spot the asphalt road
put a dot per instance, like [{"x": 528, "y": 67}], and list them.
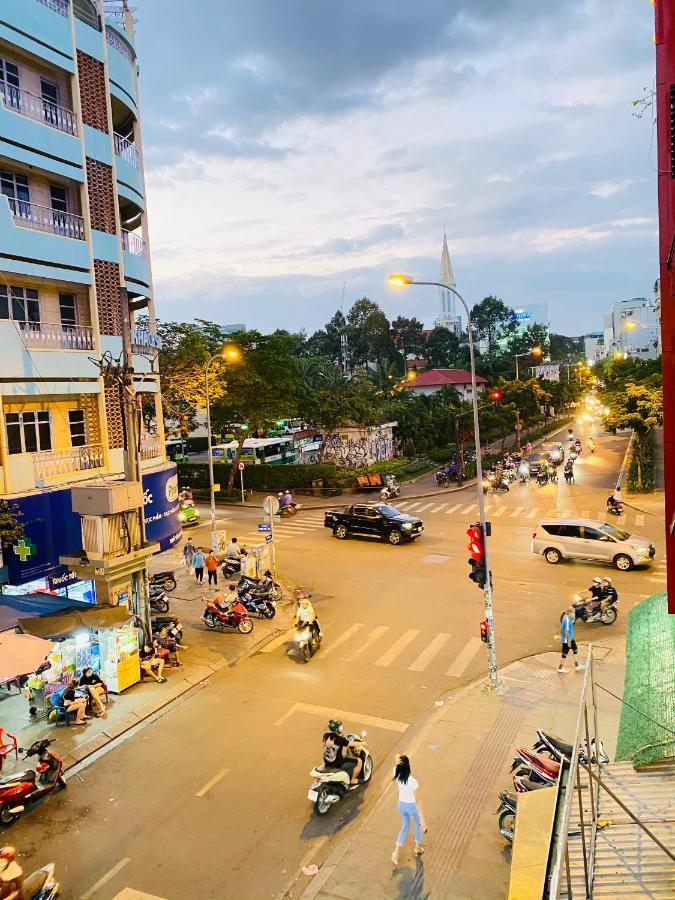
[{"x": 209, "y": 800}]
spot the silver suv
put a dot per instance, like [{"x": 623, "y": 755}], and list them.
[{"x": 557, "y": 539}]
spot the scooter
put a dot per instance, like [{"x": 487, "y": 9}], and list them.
[
  {"x": 173, "y": 625},
  {"x": 20, "y": 789},
  {"x": 607, "y": 615},
  {"x": 507, "y": 814},
  {"x": 536, "y": 766},
  {"x": 442, "y": 478},
  {"x": 164, "y": 580},
  {"x": 258, "y": 606},
  {"x": 235, "y": 616},
  {"x": 329, "y": 785},
  {"x": 232, "y": 565},
  {"x": 615, "y": 508},
  {"x": 41, "y": 884},
  {"x": 543, "y": 476},
  {"x": 261, "y": 587},
  {"x": 290, "y": 510},
  {"x": 391, "y": 490},
  {"x": 306, "y": 641},
  {"x": 158, "y": 600}
]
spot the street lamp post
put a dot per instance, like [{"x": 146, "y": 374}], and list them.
[
  {"x": 231, "y": 353},
  {"x": 535, "y": 351},
  {"x": 403, "y": 281}
]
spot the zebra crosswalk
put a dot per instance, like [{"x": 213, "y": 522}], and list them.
[
  {"x": 382, "y": 646},
  {"x": 285, "y": 530}
]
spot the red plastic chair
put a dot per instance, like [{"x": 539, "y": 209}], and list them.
[{"x": 7, "y": 747}]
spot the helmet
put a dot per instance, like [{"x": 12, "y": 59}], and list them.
[
  {"x": 280, "y": 494},
  {"x": 597, "y": 580},
  {"x": 335, "y": 725},
  {"x": 9, "y": 853},
  {"x": 607, "y": 580},
  {"x": 287, "y": 492}
]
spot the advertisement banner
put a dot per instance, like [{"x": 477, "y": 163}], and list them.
[
  {"x": 160, "y": 506},
  {"x": 548, "y": 373}
]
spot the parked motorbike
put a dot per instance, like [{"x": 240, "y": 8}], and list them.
[
  {"x": 261, "y": 587},
  {"x": 507, "y": 813},
  {"x": 535, "y": 766},
  {"x": 442, "y": 478},
  {"x": 173, "y": 625},
  {"x": 164, "y": 580},
  {"x": 258, "y": 606},
  {"x": 20, "y": 789},
  {"x": 330, "y": 785},
  {"x": 41, "y": 884},
  {"x": 235, "y": 616},
  {"x": 158, "y": 600},
  {"x": 306, "y": 641},
  {"x": 232, "y": 565}
]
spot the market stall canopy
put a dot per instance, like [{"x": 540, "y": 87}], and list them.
[
  {"x": 19, "y": 606},
  {"x": 63, "y": 624},
  {"x": 21, "y": 654}
]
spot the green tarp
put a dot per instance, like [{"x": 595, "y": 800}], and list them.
[{"x": 649, "y": 685}]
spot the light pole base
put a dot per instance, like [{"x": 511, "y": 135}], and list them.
[{"x": 490, "y": 687}]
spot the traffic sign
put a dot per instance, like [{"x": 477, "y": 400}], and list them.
[
  {"x": 268, "y": 538},
  {"x": 271, "y": 505},
  {"x": 241, "y": 466},
  {"x": 263, "y": 526}
]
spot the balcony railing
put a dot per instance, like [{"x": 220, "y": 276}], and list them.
[
  {"x": 50, "y": 336},
  {"x": 127, "y": 150},
  {"x": 151, "y": 448},
  {"x": 37, "y": 108},
  {"x": 44, "y": 218},
  {"x": 133, "y": 243},
  {"x": 86, "y": 12},
  {"x": 59, "y": 6},
  {"x": 116, "y": 41},
  {"x": 51, "y": 463}
]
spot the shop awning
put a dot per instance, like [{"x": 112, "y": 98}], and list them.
[
  {"x": 14, "y": 607},
  {"x": 21, "y": 654},
  {"x": 65, "y": 623}
]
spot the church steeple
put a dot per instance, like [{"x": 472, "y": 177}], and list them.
[
  {"x": 446, "y": 276},
  {"x": 447, "y": 317}
]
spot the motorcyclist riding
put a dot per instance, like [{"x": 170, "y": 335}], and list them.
[
  {"x": 338, "y": 751},
  {"x": 305, "y": 615},
  {"x": 233, "y": 549},
  {"x": 609, "y": 592},
  {"x": 615, "y": 499},
  {"x": 591, "y": 444}
]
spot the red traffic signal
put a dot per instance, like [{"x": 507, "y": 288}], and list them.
[
  {"x": 484, "y": 631},
  {"x": 496, "y": 396},
  {"x": 476, "y": 548}
]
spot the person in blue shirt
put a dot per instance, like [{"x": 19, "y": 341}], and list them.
[
  {"x": 198, "y": 562},
  {"x": 567, "y": 639}
]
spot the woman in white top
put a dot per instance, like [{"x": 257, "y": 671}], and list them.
[{"x": 408, "y": 807}]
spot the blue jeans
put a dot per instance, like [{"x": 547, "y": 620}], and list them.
[{"x": 408, "y": 811}]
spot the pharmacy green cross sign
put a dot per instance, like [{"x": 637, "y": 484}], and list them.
[{"x": 24, "y": 549}]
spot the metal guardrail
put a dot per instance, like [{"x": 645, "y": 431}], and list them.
[
  {"x": 53, "y": 336},
  {"x": 133, "y": 243},
  {"x": 37, "y": 108},
  {"x": 46, "y": 218},
  {"x": 126, "y": 150}
]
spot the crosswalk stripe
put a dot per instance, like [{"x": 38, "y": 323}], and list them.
[
  {"x": 639, "y": 520},
  {"x": 516, "y": 512},
  {"x": 372, "y": 637},
  {"x": 566, "y": 513},
  {"x": 453, "y": 509},
  {"x": 424, "y": 506},
  {"x": 404, "y": 505},
  {"x": 463, "y": 659},
  {"x": 428, "y": 654},
  {"x": 339, "y": 641},
  {"x": 659, "y": 579},
  {"x": 532, "y": 513},
  {"x": 550, "y": 513},
  {"x": 413, "y": 505},
  {"x": 397, "y": 647},
  {"x": 601, "y": 515},
  {"x": 585, "y": 514},
  {"x": 468, "y": 508},
  {"x": 438, "y": 508},
  {"x": 499, "y": 511}
]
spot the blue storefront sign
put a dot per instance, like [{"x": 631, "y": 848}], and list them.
[{"x": 52, "y": 529}]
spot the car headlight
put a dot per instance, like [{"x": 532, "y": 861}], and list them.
[{"x": 407, "y": 526}]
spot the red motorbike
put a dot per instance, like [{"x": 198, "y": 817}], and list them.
[
  {"x": 234, "y": 616},
  {"x": 22, "y": 788}
]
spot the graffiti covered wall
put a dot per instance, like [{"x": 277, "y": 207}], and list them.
[{"x": 352, "y": 448}]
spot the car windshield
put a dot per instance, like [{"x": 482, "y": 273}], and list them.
[
  {"x": 616, "y": 533},
  {"x": 389, "y": 511},
  {"x": 536, "y": 457}
]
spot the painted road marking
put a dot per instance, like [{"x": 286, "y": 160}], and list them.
[
  {"x": 438, "y": 508},
  {"x": 413, "y": 505},
  {"x": 550, "y": 513},
  {"x": 452, "y": 509},
  {"x": 329, "y": 712},
  {"x": 428, "y": 654},
  {"x": 585, "y": 514},
  {"x": 397, "y": 647},
  {"x": 639, "y": 520},
  {"x": 278, "y": 641},
  {"x": 468, "y": 508},
  {"x": 517, "y": 511},
  {"x": 459, "y": 666},
  {"x": 104, "y": 879},
  {"x": 660, "y": 579},
  {"x": 499, "y": 511},
  {"x": 424, "y": 506},
  {"x": 532, "y": 513},
  {"x": 566, "y": 513},
  {"x": 372, "y": 637},
  {"x": 131, "y": 894},
  {"x": 338, "y": 642},
  {"x": 211, "y": 783}
]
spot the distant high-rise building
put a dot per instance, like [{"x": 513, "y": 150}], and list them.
[
  {"x": 447, "y": 317},
  {"x": 233, "y": 329},
  {"x": 632, "y": 328}
]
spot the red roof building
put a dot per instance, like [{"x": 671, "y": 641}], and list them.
[{"x": 434, "y": 380}]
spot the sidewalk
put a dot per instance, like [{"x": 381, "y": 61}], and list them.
[
  {"x": 461, "y": 756},
  {"x": 208, "y": 652}
]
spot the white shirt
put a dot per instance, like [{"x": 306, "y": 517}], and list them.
[{"x": 406, "y": 792}]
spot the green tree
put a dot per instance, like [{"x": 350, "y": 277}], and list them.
[
  {"x": 345, "y": 402},
  {"x": 442, "y": 348},
  {"x": 528, "y": 399},
  {"x": 640, "y": 408},
  {"x": 11, "y": 526},
  {"x": 408, "y": 336},
  {"x": 566, "y": 349},
  {"x": 369, "y": 334},
  {"x": 491, "y": 319},
  {"x": 523, "y": 341}
]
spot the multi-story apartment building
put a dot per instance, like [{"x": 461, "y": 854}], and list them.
[
  {"x": 73, "y": 235},
  {"x": 632, "y": 328}
]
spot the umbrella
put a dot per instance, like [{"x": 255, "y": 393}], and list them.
[{"x": 21, "y": 654}]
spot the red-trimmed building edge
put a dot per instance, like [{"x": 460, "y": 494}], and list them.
[{"x": 664, "y": 39}]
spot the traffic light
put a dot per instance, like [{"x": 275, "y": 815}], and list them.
[
  {"x": 476, "y": 547},
  {"x": 496, "y": 396},
  {"x": 484, "y": 631}
]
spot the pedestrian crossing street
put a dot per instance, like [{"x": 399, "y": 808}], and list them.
[
  {"x": 526, "y": 513},
  {"x": 384, "y": 647}
]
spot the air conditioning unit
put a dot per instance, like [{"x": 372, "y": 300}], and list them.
[
  {"x": 107, "y": 537},
  {"x": 107, "y": 499}
]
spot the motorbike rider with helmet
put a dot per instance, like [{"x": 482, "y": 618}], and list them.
[
  {"x": 609, "y": 592},
  {"x": 594, "y": 603},
  {"x": 305, "y": 615},
  {"x": 615, "y": 500},
  {"x": 338, "y": 751}
]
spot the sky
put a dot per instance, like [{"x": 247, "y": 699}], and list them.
[{"x": 291, "y": 146}]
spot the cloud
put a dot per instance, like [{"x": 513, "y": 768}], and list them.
[{"x": 608, "y": 188}]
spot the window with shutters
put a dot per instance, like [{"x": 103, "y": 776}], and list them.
[
  {"x": 28, "y": 432},
  {"x": 78, "y": 429}
]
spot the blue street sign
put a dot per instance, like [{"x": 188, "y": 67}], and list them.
[
  {"x": 268, "y": 538},
  {"x": 264, "y": 526}
]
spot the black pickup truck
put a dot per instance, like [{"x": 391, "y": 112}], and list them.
[{"x": 376, "y": 520}]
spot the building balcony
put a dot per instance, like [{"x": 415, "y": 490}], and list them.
[
  {"x": 33, "y": 107},
  {"x": 151, "y": 448},
  {"x": 59, "y": 6},
  {"x": 127, "y": 150},
  {"x": 45, "y": 218},
  {"x": 52, "y": 336},
  {"x": 50, "y": 464},
  {"x": 133, "y": 243}
]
